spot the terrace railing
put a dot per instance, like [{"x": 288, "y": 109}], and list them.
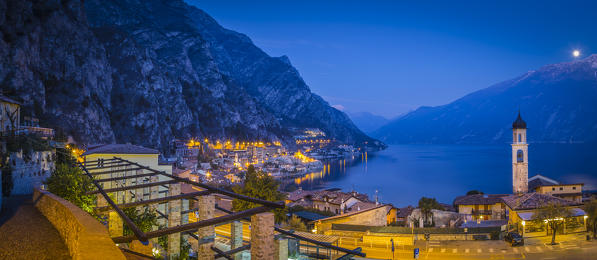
[{"x": 145, "y": 178}]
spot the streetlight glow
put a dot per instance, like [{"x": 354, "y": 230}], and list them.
[{"x": 576, "y": 53}]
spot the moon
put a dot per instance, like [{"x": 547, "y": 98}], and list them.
[{"x": 576, "y": 53}]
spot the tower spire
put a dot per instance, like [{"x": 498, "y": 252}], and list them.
[{"x": 520, "y": 165}]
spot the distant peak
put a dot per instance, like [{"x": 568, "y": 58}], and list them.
[{"x": 285, "y": 59}]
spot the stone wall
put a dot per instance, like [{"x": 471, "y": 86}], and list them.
[
  {"x": 441, "y": 218},
  {"x": 84, "y": 236},
  {"x": 29, "y": 171},
  {"x": 372, "y": 217}
]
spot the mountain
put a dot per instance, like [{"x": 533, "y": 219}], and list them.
[
  {"x": 366, "y": 121},
  {"x": 149, "y": 71},
  {"x": 557, "y": 102}
]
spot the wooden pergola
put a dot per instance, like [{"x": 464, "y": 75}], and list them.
[{"x": 146, "y": 177}]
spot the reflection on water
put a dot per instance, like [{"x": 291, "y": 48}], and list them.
[{"x": 404, "y": 173}]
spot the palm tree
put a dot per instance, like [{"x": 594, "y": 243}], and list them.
[{"x": 426, "y": 205}]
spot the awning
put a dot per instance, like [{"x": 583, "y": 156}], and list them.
[{"x": 576, "y": 212}]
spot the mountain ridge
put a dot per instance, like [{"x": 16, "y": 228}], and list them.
[
  {"x": 555, "y": 99},
  {"x": 147, "y": 72}
]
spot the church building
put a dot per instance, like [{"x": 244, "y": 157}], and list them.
[{"x": 520, "y": 157}]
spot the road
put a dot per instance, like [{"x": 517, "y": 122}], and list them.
[
  {"x": 574, "y": 248},
  {"x": 570, "y": 247}
]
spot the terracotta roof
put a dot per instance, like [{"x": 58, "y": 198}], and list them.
[
  {"x": 405, "y": 212},
  {"x": 479, "y": 199},
  {"x": 304, "y": 204},
  {"x": 355, "y": 212},
  {"x": 361, "y": 205},
  {"x": 540, "y": 180},
  {"x": 120, "y": 149},
  {"x": 336, "y": 197},
  {"x": 533, "y": 201},
  {"x": 298, "y": 194}
]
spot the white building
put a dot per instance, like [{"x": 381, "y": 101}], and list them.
[{"x": 520, "y": 157}]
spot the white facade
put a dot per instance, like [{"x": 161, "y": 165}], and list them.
[
  {"x": 29, "y": 171},
  {"x": 520, "y": 161}
]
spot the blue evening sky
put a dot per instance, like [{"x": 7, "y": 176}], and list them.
[{"x": 390, "y": 57}]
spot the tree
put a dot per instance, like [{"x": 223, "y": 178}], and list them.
[
  {"x": 145, "y": 219},
  {"x": 426, "y": 205},
  {"x": 474, "y": 192},
  {"x": 553, "y": 214},
  {"x": 71, "y": 184},
  {"x": 590, "y": 208},
  {"x": 262, "y": 186},
  {"x": 296, "y": 223}
]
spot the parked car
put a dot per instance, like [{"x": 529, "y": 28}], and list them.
[{"x": 514, "y": 239}]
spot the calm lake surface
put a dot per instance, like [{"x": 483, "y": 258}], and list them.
[{"x": 404, "y": 173}]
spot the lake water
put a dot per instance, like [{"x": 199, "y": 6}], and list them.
[{"x": 404, "y": 173}]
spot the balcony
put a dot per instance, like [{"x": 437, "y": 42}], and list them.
[
  {"x": 482, "y": 212},
  {"x": 39, "y": 131}
]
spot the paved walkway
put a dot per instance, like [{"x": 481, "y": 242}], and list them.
[
  {"x": 26, "y": 234},
  {"x": 573, "y": 246}
]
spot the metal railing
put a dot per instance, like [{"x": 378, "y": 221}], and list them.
[{"x": 110, "y": 164}]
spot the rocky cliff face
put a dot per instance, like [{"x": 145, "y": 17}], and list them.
[
  {"x": 149, "y": 71},
  {"x": 53, "y": 62},
  {"x": 557, "y": 102}
]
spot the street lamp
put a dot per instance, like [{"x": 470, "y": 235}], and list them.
[{"x": 523, "y": 225}]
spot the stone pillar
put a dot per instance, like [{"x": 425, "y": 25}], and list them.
[
  {"x": 101, "y": 201},
  {"x": 236, "y": 237},
  {"x": 206, "y": 235},
  {"x": 115, "y": 224},
  {"x": 281, "y": 248},
  {"x": 262, "y": 236},
  {"x": 193, "y": 218},
  {"x": 127, "y": 183},
  {"x": 153, "y": 191},
  {"x": 153, "y": 194},
  {"x": 139, "y": 192},
  {"x": 174, "y": 211}
]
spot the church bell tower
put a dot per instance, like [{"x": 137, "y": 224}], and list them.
[{"x": 520, "y": 157}]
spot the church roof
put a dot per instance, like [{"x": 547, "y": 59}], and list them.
[
  {"x": 540, "y": 180},
  {"x": 519, "y": 123}
]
